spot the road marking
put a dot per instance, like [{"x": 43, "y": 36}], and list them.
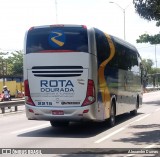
[
  {"x": 130, "y": 155},
  {"x": 30, "y": 129},
  {"x": 158, "y": 109},
  {"x": 137, "y": 120},
  {"x": 150, "y": 146},
  {"x": 130, "y": 123},
  {"x": 122, "y": 128},
  {"x": 142, "y": 117},
  {"x": 109, "y": 135}
]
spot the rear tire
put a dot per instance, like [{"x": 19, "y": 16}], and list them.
[
  {"x": 112, "y": 119},
  {"x": 59, "y": 123},
  {"x": 134, "y": 112}
]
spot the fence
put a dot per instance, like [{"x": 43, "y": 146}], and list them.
[{"x": 7, "y": 104}]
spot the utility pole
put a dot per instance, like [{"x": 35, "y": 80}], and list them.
[
  {"x": 56, "y": 12},
  {"x": 156, "y": 56},
  {"x": 124, "y": 16},
  {"x": 156, "y": 79}
]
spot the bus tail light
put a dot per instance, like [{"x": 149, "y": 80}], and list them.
[
  {"x": 90, "y": 95},
  {"x": 27, "y": 94}
]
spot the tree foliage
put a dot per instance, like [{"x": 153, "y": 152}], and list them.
[
  {"x": 149, "y": 10},
  {"x": 148, "y": 65},
  {"x": 15, "y": 63},
  {"x": 11, "y": 65},
  {"x": 3, "y": 53},
  {"x": 145, "y": 38}
]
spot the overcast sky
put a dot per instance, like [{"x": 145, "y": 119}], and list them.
[{"x": 17, "y": 16}]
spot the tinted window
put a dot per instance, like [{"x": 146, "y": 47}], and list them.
[
  {"x": 126, "y": 58},
  {"x": 103, "y": 49},
  {"x": 57, "y": 39}
]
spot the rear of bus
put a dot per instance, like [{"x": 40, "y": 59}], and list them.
[{"x": 60, "y": 84}]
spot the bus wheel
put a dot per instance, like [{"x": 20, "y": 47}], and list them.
[
  {"x": 134, "y": 112},
  {"x": 112, "y": 115},
  {"x": 59, "y": 123}
]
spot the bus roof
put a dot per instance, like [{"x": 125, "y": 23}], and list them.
[{"x": 125, "y": 43}]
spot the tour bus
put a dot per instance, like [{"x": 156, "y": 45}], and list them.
[{"x": 75, "y": 73}]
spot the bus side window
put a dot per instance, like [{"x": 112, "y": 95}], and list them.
[
  {"x": 103, "y": 49},
  {"x": 122, "y": 59}
]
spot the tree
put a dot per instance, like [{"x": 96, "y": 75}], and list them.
[
  {"x": 15, "y": 63},
  {"x": 145, "y": 38},
  {"x": 147, "y": 63},
  {"x": 3, "y": 53},
  {"x": 3, "y": 65},
  {"x": 149, "y": 10},
  {"x": 150, "y": 79}
]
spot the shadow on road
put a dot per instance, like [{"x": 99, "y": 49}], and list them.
[
  {"x": 77, "y": 130},
  {"x": 147, "y": 134}
]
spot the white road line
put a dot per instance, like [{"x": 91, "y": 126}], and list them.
[
  {"x": 150, "y": 146},
  {"x": 130, "y": 155},
  {"x": 30, "y": 129},
  {"x": 158, "y": 109},
  {"x": 139, "y": 119},
  {"x": 109, "y": 135},
  {"x": 122, "y": 128},
  {"x": 142, "y": 117},
  {"x": 130, "y": 123}
]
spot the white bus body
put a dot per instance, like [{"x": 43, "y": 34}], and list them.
[{"x": 68, "y": 77}]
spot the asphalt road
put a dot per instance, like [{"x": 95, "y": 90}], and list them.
[{"x": 131, "y": 132}]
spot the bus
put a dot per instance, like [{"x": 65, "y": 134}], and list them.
[{"x": 73, "y": 73}]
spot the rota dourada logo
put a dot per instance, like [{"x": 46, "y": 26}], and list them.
[
  {"x": 57, "y": 38},
  {"x": 57, "y": 86}
]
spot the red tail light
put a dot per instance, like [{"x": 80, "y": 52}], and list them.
[
  {"x": 90, "y": 95},
  {"x": 27, "y": 94}
]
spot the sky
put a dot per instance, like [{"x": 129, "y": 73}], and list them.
[{"x": 17, "y": 16}]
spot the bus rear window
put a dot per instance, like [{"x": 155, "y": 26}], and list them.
[{"x": 57, "y": 39}]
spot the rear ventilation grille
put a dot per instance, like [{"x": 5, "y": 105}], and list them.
[{"x": 57, "y": 71}]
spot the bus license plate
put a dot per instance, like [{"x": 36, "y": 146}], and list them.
[{"x": 57, "y": 112}]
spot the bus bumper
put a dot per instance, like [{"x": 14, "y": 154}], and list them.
[{"x": 85, "y": 113}]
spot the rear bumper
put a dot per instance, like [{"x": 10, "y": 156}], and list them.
[{"x": 70, "y": 113}]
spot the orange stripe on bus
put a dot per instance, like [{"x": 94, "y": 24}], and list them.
[{"x": 102, "y": 81}]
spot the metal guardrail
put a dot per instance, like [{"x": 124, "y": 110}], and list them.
[
  {"x": 21, "y": 102},
  {"x": 16, "y": 103}
]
